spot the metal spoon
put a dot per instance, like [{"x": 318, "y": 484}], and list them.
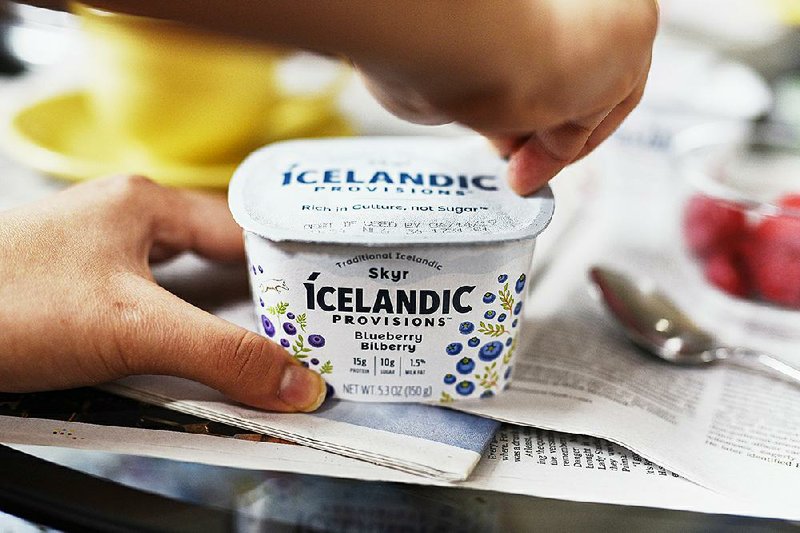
[{"x": 653, "y": 322}]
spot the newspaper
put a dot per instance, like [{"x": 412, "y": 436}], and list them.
[
  {"x": 728, "y": 430},
  {"x": 525, "y": 461},
  {"x": 732, "y": 431},
  {"x": 419, "y": 439}
]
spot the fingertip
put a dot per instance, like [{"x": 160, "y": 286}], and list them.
[
  {"x": 530, "y": 170},
  {"x": 302, "y": 389}
]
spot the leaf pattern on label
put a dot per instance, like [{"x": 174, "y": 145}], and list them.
[
  {"x": 506, "y": 298},
  {"x": 279, "y": 309},
  {"x": 301, "y": 321},
  {"x": 492, "y": 330}
]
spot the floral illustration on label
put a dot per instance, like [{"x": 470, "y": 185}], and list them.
[{"x": 288, "y": 329}]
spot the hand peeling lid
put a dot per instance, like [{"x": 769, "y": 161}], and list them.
[{"x": 383, "y": 191}]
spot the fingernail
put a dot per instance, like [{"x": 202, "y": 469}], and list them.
[{"x": 301, "y": 388}]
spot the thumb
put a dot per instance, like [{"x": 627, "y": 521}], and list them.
[{"x": 168, "y": 336}]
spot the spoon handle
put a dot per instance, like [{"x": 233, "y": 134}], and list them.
[{"x": 759, "y": 360}]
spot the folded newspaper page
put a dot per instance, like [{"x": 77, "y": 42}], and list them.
[
  {"x": 420, "y": 439},
  {"x": 525, "y": 461},
  {"x": 732, "y": 431}
]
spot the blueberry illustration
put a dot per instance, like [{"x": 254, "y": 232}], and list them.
[
  {"x": 290, "y": 316},
  {"x": 490, "y": 351},
  {"x": 466, "y": 328},
  {"x": 489, "y": 314},
  {"x": 317, "y": 341},
  {"x": 289, "y": 328},
  {"x": 449, "y": 379},
  {"x": 304, "y": 363},
  {"x": 330, "y": 392},
  {"x": 269, "y": 328},
  {"x": 465, "y": 388},
  {"x": 454, "y": 348},
  {"x": 502, "y": 278},
  {"x": 254, "y": 269},
  {"x": 261, "y": 301},
  {"x": 473, "y": 342},
  {"x": 509, "y": 341},
  {"x": 501, "y": 317},
  {"x": 520, "y": 283},
  {"x": 514, "y": 324},
  {"x": 507, "y": 374},
  {"x": 487, "y": 394},
  {"x": 261, "y": 270},
  {"x": 489, "y": 297},
  {"x": 315, "y": 361},
  {"x": 465, "y": 366},
  {"x": 285, "y": 343},
  {"x": 518, "y": 308}
]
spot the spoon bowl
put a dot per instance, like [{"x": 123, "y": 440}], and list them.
[{"x": 652, "y": 321}]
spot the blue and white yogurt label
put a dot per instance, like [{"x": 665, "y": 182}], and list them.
[{"x": 394, "y": 324}]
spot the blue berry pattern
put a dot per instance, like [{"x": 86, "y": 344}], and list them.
[
  {"x": 269, "y": 327},
  {"x": 454, "y": 348},
  {"x": 289, "y": 329},
  {"x": 520, "y": 284},
  {"x": 317, "y": 341},
  {"x": 490, "y": 351},
  {"x": 465, "y": 366},
  {"x": 465, "y": 388},
  {"x": 485, "y": 359}
]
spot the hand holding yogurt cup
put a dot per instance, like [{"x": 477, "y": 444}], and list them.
[{"x": 78, "y": 304}]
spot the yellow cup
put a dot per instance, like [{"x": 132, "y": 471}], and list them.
[{"x": 177, "y": 94}]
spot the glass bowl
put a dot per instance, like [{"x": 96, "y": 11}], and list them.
[{"x": 739, "y": 223}]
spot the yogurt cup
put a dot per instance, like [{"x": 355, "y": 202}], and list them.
[{"x": 395, "y": 267}]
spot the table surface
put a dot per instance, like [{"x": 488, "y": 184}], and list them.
[{"x": 98, "y": 490}]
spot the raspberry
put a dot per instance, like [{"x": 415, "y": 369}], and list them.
[
  {"x": 773, "y": 260},
  {"x": 790, "y": 201},
  {"x": 724, "y": 272},
  {"x": 711, "y": 225}
]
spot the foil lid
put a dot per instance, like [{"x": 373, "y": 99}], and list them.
[{"x": 384, "y": 191}]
